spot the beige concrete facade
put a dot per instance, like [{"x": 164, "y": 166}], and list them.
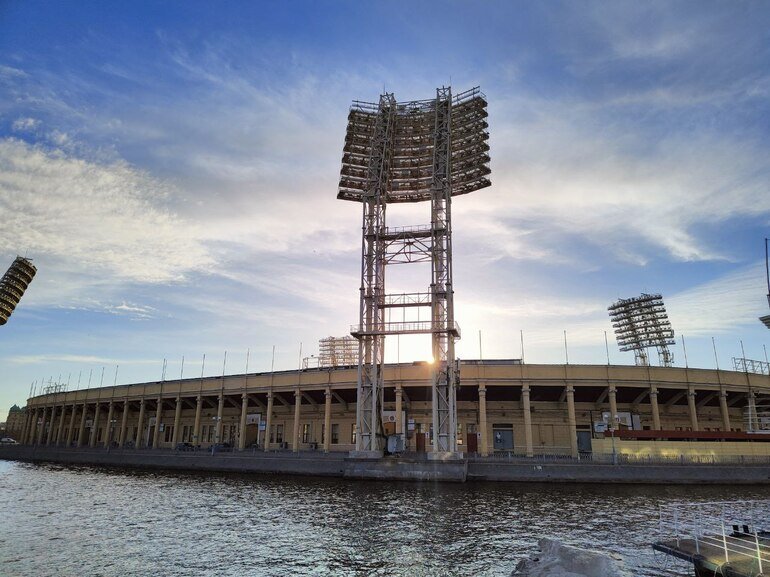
[{"x": 502, "y": 406}]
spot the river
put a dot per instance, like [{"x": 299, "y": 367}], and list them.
[{"x": 70, "y": 521}]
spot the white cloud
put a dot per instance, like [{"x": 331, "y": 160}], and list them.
[
  {"x": 75, "y": 359},
  {"x": 722, "y": 305},
  {"x": 25, "y": 124},
  {"x": 566, "y": 171},
  {"x": 95, "y": 219}
]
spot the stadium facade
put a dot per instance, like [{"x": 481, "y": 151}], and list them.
[{"x": 503, "y": 406}]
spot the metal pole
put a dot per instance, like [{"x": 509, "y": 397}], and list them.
[
  {"x": 115, "y": 382},
  {"x": 521, "y": 334},
  {"x": 607, "y": 348},
  {"x": 724, "y": 537},
  {"x": 684, "y": 348},
  {"x": 481, "y": 356},
  {"x": 716, "y": 359},
  {"x": 566, "y": 352},
  {"x": 767, "y": 272}
]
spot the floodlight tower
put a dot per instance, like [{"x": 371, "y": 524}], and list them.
[
  {"x": 423, "y": 150},
  {"x": 641, "y": 323},
  {"x": 13, "y": 285}
]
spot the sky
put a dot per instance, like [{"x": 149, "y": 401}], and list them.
[{"x": 172, "y": 170}]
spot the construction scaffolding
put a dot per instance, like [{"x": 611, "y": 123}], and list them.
[
  {"x": 13, "y": 286},
  {"x": 641, "y": 323},
  {"x": 423, "y": 150}
]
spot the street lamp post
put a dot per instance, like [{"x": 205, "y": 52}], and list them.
[
  {"x": 110, "y": 434},
  {"x": 216, "y": 420}
]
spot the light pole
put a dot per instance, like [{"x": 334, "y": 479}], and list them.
[
  {"x": 216, "y": 420},
  {"x": 110, "y": 434}
]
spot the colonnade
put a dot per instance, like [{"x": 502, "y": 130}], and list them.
[{"x": 50, "y": 421}]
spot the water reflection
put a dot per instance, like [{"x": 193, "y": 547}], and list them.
[{"x": 84, "y": 521}]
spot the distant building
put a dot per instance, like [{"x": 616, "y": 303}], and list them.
[{"x": 14, "y": 424}]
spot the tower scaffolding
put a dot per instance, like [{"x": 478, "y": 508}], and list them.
[{"x": 423, "y": 150}]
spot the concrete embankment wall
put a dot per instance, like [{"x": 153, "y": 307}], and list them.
[
  {"x": 625, "y": 473},
  {"x": 315, "y": 464},
  {"x": 338, "y": 465}
]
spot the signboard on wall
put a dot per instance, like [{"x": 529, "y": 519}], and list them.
[
  {"x": 625, "y": 420},
  {"x": 253, "y": 418}
]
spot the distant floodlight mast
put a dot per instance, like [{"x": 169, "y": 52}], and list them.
[
  {"x": 641, "y": 323},
  {"x": 424, "y": 150},
  {"x": 13, "y": 285},
  {"x": 337, "y": 352}
]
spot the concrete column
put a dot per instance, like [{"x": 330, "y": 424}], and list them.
[
  {"x": 613, "y": 407},
  {"x": 197, "y": 426},
  {"x": 95, "y": 427},
  {"x": 108, "y": 428},
  {"x": 41, "y": 432},
  {"x": 399, "y": 410},
  {"x": 724, "y": 410},
  {"x": 60, "y": 431},
  {"x": 22, "y": 438},
  {"x": 177, "y": 418},
  {"x": 158, "y": 419},
  {"x": 82, "y": 428},
  {"x": 220, "y": 413},
  {"x": 573, "y": 444},
  {"x": 655, "y": 409},
  {"x": 123, "y": 423},
  {"x": 29, "y": 436},
  {"x": 71, "y": 429},
  {"x": 692, "y": 408},
  {"x": 483, "y": 442},
  {"x": 753, "y": 421},
  {"x": 527, "y": 409},
  {"x": 244, "y": 410},
  {"x": 25, "y": 427},
  {"x": 297, "y": 406},
  {"x": 268, "y": 420},
  {"x": 328, "y": 418},
  {"x": 49, "y": 435},
  {"x": 140, "y": 426},
  {"x": 32, "y": 435}
]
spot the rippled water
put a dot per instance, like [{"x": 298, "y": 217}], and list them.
[{"x": 72, "y": 521}]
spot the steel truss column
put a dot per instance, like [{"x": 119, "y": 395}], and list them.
[
  {"x": 416, "y": 151},
  {"x": 373, "y": 251},
  {"x": 444, "y": 386}
]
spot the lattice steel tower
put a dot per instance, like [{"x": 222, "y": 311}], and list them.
[{"x": 424, "y": 150}]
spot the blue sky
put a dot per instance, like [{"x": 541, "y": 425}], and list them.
[{"x": 171, "y": 167}]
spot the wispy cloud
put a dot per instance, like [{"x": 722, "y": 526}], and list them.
[
  {"x": 75, "y": 359},
  {"x": 102, "y": 220},
  {"x": 721, "y": 305}
]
